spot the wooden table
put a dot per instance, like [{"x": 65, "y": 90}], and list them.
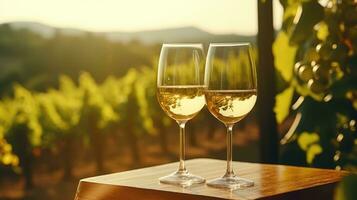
[{"x": 271, "y": 182}]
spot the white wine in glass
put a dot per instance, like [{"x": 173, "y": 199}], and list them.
[
  {"x": 180, "y": 92},
  {"x": 181, "y": 102},
  {"x": 230, "y": 106},
  {"x": 231, "y": 93}
]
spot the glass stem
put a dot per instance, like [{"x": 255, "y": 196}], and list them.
[
  {"x": 182, "y": 167},
  {"x": 229, "y": 172}
]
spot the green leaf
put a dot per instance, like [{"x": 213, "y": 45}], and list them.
[
  {"x": 309, "y": 143},
  {"x": 282, "y": 104},
  {"x": 306, "y": 139},
  {"x": 313, "y": 151},
  {"x": 284, "y": 55}
]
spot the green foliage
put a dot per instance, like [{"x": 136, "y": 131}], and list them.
[
  {"x": 7, "y": 157},
  {"x": 94, "y": 109},
  {"x": 44, "y": 118},
  {"x": 27, "y": 115},
  {"x": 309, "y": 143},
  {"x": 316, "y": 56},
  {"x": 282, "y": 106},
  {"x": 284, "y": 55},
  {"x": 145, "y": 95}
]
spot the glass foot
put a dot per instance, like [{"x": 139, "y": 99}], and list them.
[
  {"x": 182, "y": 178},
  {"x": 230, "y": 182}
]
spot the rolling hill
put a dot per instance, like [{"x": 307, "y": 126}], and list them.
[{"x": 180, "y": 34}]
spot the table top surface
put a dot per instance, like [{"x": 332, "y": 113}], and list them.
[{"x": 270, "y": 180}]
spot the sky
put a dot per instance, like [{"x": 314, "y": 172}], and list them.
[{"x": 216, "y": 16}]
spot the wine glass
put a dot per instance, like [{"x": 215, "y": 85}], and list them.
[
  {"x": 181, "y": 96},
  {"x": 231, "y": 92}
]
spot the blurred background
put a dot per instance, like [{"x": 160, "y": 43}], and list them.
[{"x": 78, "y": 87}]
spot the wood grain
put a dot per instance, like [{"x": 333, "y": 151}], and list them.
[{"x": 271, "y": 182}]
